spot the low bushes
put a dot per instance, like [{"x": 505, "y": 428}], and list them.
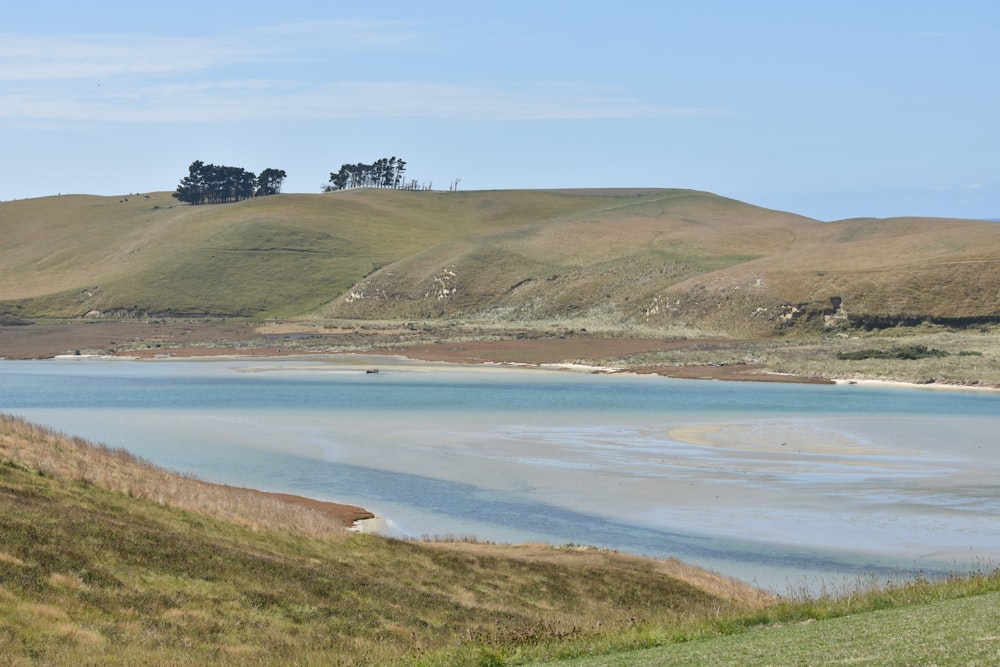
[{"x": 902, "y": 352}]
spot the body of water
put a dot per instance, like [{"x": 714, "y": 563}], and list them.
[{"x": 786, "y": 486}]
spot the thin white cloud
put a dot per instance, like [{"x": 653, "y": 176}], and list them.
[
  {"x": 336, "y": 35},
  {"x": 48, "y": 57},
  {"x": 939, "y": 35},
  {"x": 31, "y": 58},
  {"x": 211, "y": 79},
  {"x": 262, "y": 100},
  {"x": 964, "y": 187}
]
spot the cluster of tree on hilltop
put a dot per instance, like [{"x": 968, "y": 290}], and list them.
[
  {"x": 385, "y": 172},
  {"x": 215, "y": 184}
]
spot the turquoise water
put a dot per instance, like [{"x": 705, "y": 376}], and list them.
[{"x": 782, "y": 485}]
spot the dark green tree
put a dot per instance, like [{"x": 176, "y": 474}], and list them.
[
  {"x": 383, "y": 173},
  {"x": 269, "y": 182},
  {"x": 214, "y": 184},
  {"x": 191, "y": 189}
]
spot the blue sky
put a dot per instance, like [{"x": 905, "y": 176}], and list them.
[{"x": 832, "y": 109}]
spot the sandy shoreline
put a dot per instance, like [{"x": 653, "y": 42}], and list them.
[
  {"x": 726, "y": 373},
  {"x": 936, "y": 386}
]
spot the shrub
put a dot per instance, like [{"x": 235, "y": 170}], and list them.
[{"x": 904, "y": 352}]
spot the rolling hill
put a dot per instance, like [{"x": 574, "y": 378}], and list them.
[{"x": 659, "y": 259}]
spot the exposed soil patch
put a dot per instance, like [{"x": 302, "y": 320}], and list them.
[
  {"x": 41, "y": 341},
  {"x": 733, "y": 372},
  {"x": 541, "y": 350},
  {"x": 570, "y": 350},
  {"x": 345, "y": 514}
]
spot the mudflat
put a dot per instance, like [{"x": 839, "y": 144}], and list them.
[
  {"x": 194, "y": 338},
  {"x": 41, "y": 341}
]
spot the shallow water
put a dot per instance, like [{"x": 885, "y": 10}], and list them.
[{"x": 788, "y": 486}]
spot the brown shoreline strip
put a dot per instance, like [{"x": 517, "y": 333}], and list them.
[
  {"x": 346, "y": 514},
  {"x": 731, "y": 373}
]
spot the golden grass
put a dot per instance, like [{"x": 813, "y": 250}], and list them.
[
  {"x": 7, "y": 558},
  {"x": 733, "y": 591},
  {"x": 45, "y": 450}
]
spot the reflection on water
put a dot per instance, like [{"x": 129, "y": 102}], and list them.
[{"x": 775, "y": 484}]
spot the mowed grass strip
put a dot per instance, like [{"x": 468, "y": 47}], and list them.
[{"x": 958, "y": 632}]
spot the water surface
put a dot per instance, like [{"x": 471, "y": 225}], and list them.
[{"x": 782, "y": 485}]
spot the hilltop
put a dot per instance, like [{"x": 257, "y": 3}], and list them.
[{"x": 663, "y": 262}]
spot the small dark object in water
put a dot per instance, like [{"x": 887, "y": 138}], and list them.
[{"x": 371, "y": 371}]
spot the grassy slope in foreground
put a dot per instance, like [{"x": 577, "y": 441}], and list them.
[
  {"x": 87, "y": 572},
  {"x": 88, "y": 575}
]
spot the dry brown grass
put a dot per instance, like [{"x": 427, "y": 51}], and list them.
[
  {"x": 73, "y": 458},
  {"x": 734, "y": 592},
  {"x": 970, "y": 358}
]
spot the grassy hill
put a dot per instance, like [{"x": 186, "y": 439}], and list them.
[{"x": 656, "y": 259}]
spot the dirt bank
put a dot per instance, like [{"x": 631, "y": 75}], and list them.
[
  {"x": 345, "y": 514},
  {"x": 42, "y": 341}
]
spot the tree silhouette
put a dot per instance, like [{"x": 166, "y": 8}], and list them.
[
  {"x": 383, "y": 173},
  {"x": 269, "y": 182},
  {"x": 215, "y": 184}
]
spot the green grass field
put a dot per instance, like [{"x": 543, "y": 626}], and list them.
[
  {"x": 963, "y": 631},
  {"x": 660, "y": 259}
]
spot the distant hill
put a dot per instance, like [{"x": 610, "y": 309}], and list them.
[{"x": 601, "y": 258}]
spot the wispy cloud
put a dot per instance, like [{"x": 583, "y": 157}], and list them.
[
  {"x": 96, "y": 56},
  {"x": 258, "y": 100},
  {"x": 940, "y": 35},
  {"x": 964, "y": 187},
  {"x": 159, "y": 79}
]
